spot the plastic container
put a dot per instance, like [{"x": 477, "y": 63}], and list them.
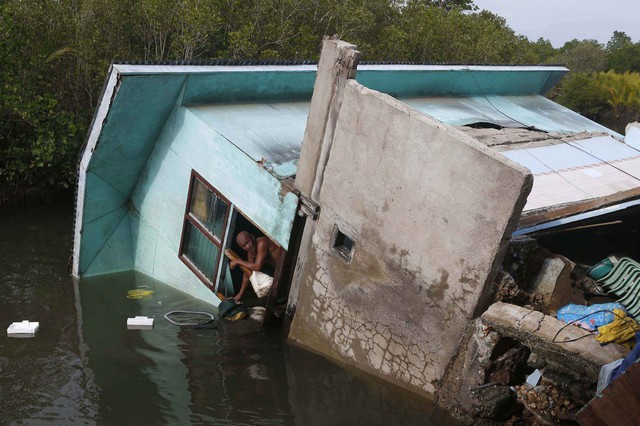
[{"x": 600, "y": 269}]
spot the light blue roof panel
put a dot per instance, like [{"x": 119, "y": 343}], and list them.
[
  {"x": 528, "y": 111},
  {"x": 547, "y": 111},
  {"x": 524, "y": 158},
  {"x": 606, "y": 148},
  {"x": 270, "y": 133},
  {"x": 462, "y": 111},
  {"x": 556, "y": 157}
]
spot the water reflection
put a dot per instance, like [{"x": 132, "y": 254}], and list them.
[
  {"x": 85, "y": 367},
  {"x": 43, "y": 378}
]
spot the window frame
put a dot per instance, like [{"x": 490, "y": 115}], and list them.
[{"x": 216, "y": 240}]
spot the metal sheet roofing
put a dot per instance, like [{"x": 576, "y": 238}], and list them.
[
  {"x": 531, "y": 111},
  {"x": 580, "y": 170},
  {"x": 276, "y": 97},
  {"x": 270, "y": 133}
]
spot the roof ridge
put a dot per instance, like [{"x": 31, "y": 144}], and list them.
[{"x": 292, "y": 62}]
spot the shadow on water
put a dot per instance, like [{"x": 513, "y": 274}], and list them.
[{"x": 85, "y": 367}]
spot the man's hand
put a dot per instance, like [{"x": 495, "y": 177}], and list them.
[{"x": 233, "y": 264}]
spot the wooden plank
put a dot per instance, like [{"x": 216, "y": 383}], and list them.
[
  {"x": 537, "y": 217},
  {"x": 234, "y": 256},
  {"x": 619, "y": 404}
]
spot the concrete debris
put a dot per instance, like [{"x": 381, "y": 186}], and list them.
[
  {"x": 535, "y": 361},
  {"x": 508, "y": 291},
  {"x": 545, "y": 403},
  {"x": 545, "y": 282},
  {"x": 517, "y": 348},
  {"x": 549, "y": 337},
  {"x": 495, "y": 402},
  {"x": 506, "y": 366}
]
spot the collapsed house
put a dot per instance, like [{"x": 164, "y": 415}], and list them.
[{"x": 393, "y": 189}]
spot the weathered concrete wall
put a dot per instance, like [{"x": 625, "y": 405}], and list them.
[
  {"x": 338, "y": 61},
  {"x": 428, "y": 209},
  {"x": 337, "y": 65}
]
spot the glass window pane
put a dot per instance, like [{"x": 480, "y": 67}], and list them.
[
  {"x": 218, "y": 220},
  {"x": 202, "y": 253},
  {"x": 208, "y": 208}
]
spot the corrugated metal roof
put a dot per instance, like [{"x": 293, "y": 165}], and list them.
[{"x": 532, "y": 111}]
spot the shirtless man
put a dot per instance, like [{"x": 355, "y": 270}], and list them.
[{"x": 259, "y": 250}]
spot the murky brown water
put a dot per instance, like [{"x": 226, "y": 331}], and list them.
[{"x": 84, "y": 367}]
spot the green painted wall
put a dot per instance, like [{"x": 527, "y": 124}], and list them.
[
  {"x": 158, "y": 202},
  {"x": 123, "y": 228},
  {"x": 135, "y": 118}
]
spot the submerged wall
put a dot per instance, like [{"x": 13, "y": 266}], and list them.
[{"x": 428, "y": 210}]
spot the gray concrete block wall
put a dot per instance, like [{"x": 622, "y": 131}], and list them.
[{"x": 429, "y": 210}]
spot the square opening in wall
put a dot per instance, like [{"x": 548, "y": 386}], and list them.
[{"x": 343, "y": 244}]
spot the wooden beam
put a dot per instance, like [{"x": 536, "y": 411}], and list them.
[
  {"x": 537, "y": 217},
  {"x": 232, "y": 255}
]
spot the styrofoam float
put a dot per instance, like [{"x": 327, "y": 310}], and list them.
[
  {"x": 139, "y": 323},
  {"x": 24, "y": 328}
]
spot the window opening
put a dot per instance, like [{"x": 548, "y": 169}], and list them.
[
  {"x": 205, "y": 220},
  {"x": 343, "y": 244}
]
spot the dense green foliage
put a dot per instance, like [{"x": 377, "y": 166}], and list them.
[{"x": 55, "y": 56}]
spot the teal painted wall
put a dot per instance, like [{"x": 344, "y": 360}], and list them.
[
  {"x": 405, "y": 84},
  {"x": 158, "y": 201},
  {"x": 143, "y": 145},
  {"x": 135, "y": 119},
  {"x": 243, "y": 86}
]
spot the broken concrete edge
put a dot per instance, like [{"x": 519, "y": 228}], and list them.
[
  {"x": 464, "y": 372},
  {"x": 509, "y": 138},
  {"x": 338, "y": 63},
  {"x": 551, "y": 336}
]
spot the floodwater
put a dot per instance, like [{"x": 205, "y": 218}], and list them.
[{"x": 85, "y": 367}]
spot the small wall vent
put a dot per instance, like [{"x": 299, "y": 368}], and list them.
[{"x": 343, "y": 244}]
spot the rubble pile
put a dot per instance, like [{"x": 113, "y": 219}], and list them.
[
  {"x": 544, "y": 404},
  {"x": 518, "y": 335},
  {"x": 508, "y": 291}
]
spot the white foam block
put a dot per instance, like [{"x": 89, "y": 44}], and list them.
[
  {"x": 139, "y": 323},
  {"x": 23, "y": 329}
]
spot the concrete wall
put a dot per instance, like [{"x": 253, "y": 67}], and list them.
[
  {"x": 158, "y": 203},
  {"x": 428, "y": 209}
]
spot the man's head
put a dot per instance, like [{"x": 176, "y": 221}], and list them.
[{"x": 246, "y": 241}]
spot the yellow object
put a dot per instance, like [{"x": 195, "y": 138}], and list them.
[
  {"x": 237, "y": 316},
  {"x": 139, "y": 294},
  {"x": 621, "y": 330}
]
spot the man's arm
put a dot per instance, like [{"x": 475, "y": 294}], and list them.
[
  {"x": 262, "y": 250},
  {"x": 243, "y": 287}
]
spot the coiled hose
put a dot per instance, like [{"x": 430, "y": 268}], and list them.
[{"x": 187, "y": 324}]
